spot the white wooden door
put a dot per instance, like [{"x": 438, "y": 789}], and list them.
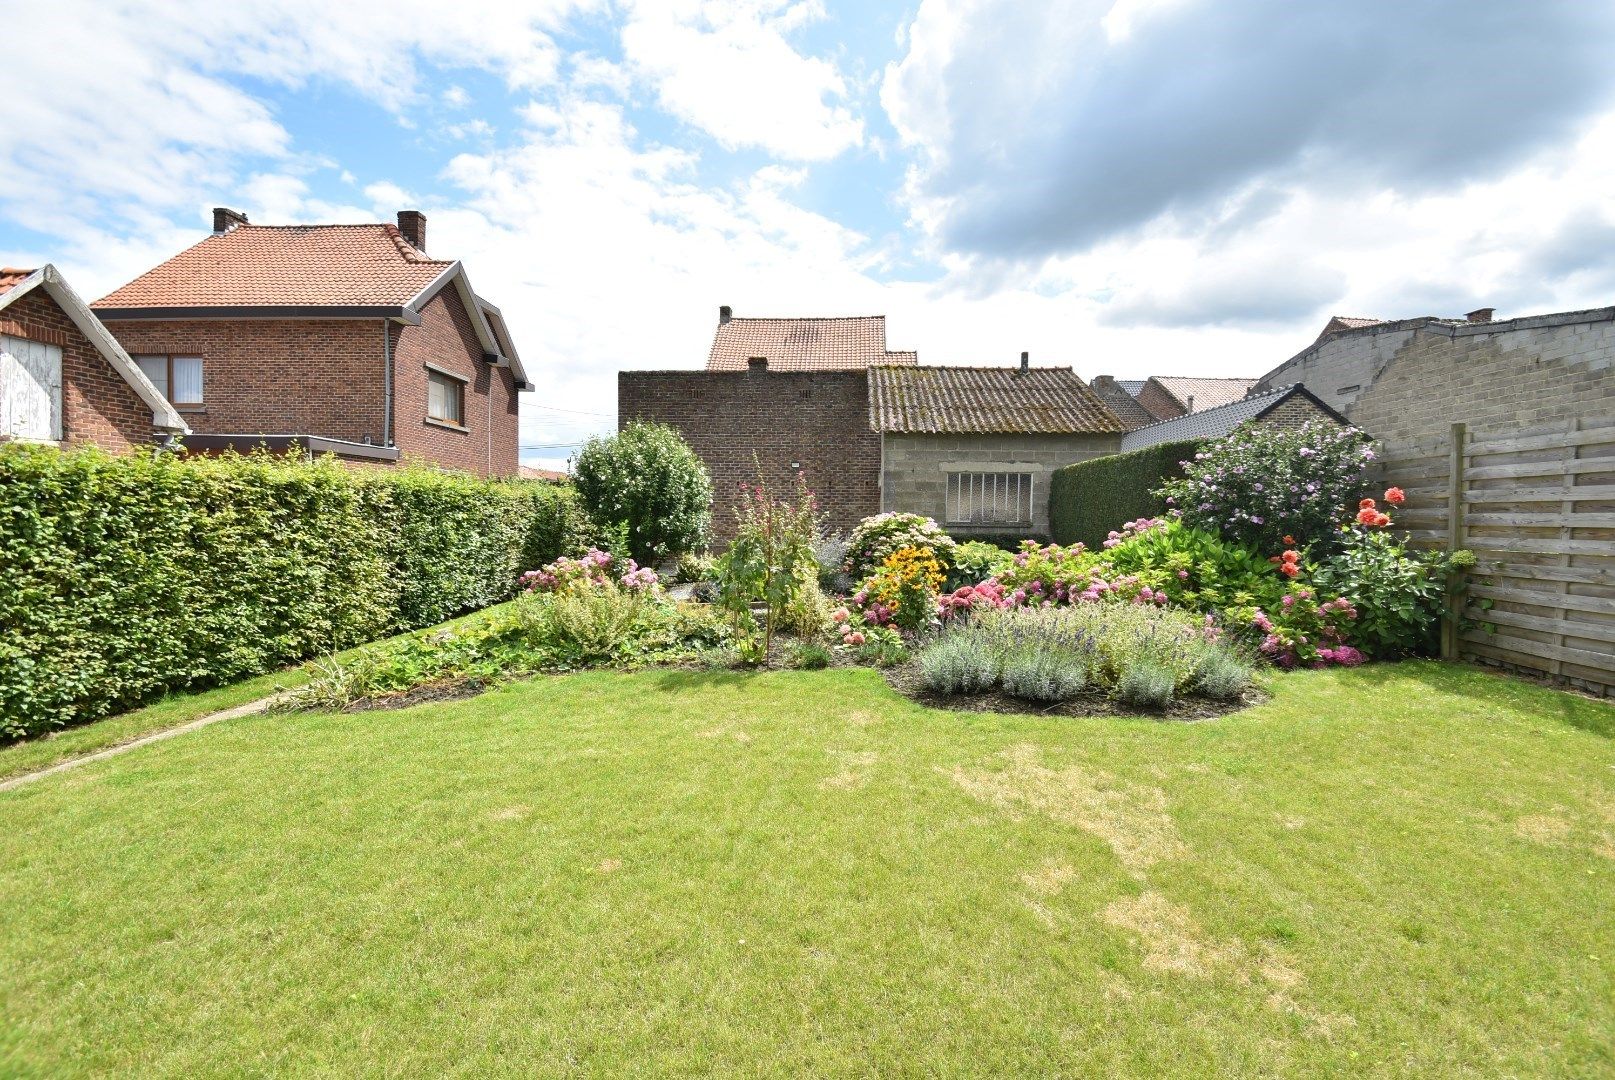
[{"x": 30, "y": 389}]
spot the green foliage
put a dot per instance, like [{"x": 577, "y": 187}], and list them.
[
  {"x": 647, "y": 478},
  {"x": 878, "y": 537},
  {"x": 810, "y": 656},
  {"x": 955, "y": 664},
  {"x": 1089, "y": 499},
  {"x": 1146, "y": 686},
  {"x": 1222, "y": 675},
  {"x": 975, "y": 561},
  {"x": 1045, "y": 675},
  {"x": 1399, "y": 592},
  {"x": 128, "y": 576},
  {"x": 692, "y": 568},
  {"x": 1196, "y": 569},
  {"x": 769, "y": 562},
  {"x": 1262, "y": 484}
]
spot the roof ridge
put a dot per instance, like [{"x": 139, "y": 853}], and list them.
[{"x": 795, "y": 318}]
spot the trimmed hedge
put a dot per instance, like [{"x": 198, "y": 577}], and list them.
[
  {"x": 122, "y": 578},
  {"x": 1089, "y": 499}
]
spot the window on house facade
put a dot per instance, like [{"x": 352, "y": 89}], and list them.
[
  {"x": 177, "y": 378},
  {"x": 30, "y": 389},
  {"x": 989, "y": 498},
  {"x": 445, "y": 398}
]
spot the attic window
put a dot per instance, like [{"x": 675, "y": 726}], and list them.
[{"x": 445, "y": 398}]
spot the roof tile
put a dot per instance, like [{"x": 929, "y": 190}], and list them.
[
  {"x": 1206, "y": 393},
  {"x": 983, "y": 400},
  {"x": 11, "y": 277},
  {"x": 814, "y": 344},
  {"x": 286, "y": 265}
]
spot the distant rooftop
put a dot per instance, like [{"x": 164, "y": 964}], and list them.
[
  {"x": 835, "y": 343},
  {"x": 985, "y": 400},
  {"x": 1217, "y": 422}
]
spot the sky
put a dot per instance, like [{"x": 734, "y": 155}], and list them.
[{"x": 1127, "y": 187}]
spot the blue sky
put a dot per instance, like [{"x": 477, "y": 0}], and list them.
[{"x": 1129, "y": 187}]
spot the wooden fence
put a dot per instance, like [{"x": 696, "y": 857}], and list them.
[{"x": 1537, "y": 507}]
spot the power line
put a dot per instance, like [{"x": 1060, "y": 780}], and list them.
[{"x": 576, "y": 412}]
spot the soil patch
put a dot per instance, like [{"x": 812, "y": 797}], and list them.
[{"x": 447, "y": 690}]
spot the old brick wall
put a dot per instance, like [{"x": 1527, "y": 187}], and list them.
[
  {"x": 1294, "y": 412},
  {"x": 487, "y": 443},
  {"x": 819, "y": 419},
  {"x": 1159, "y": 402},
  {"x": 276, "y": 376},
  {"x": 1525, "y": 372},
  {"x": 917, "y": 467},
  {"x": 98, "y": 406}
]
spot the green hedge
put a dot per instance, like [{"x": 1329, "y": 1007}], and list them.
[
  {"x": 125, "y": 577},
  {"x": 1089, "y": 499}
]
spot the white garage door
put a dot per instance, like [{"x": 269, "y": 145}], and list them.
[{"x": 30, "y": 389}]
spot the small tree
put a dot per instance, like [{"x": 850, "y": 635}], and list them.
[
  {"x": 647, "y": 479},
  {"x": 770, "y": 561}
]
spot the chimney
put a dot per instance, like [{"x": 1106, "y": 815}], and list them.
[
  {"x": 225, "y": 219},
  {"x": 1481, "y": 314},
  {"x": 412, "y": 223},
  {"x": 1026, "y": 361},
  {"x": 757, "y": 365},
  {"x": 725, "y": 313}
]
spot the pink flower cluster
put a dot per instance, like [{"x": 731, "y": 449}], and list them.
[
  {"x": 850, "y": 635},
  {"x": 592, "y": 570},
  {"x": 1307, "y": 633},
  {"x": 1132, "y": 529}
]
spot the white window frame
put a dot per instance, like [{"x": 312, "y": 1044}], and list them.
[
  {"x": 985, "y": 496},
  {"x": 166, "y": 386}
]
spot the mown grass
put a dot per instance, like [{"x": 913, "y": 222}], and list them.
[
  {"x": 172, "y": 710},
  {"x": 1395, "y": 870}
]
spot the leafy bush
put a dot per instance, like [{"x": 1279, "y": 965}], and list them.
[
  {"x": 1146, "y": 686},
  {"x": 957, "y": 664},
  {"x": 903, "y": 590},
  {"x": 1045, "y": 675},
  {"x": 1222, "y": 676},
  {"x": 810, "y": 656},
  {"x": 1270, "y": 488},
  {"x": 770, "y": 561},
  {"x": 692, "y": 568},
  {"x": 974, "y": 562},
  {"x": 1088, "y": 499},
  {"x": 877, "y": 537},
  {"x": 125, "y": 577},
  {"x": 830, "y": 552},
  {"x": 646, "y": 477}
]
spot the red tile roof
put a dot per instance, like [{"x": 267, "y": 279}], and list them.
[
  {"x": 11, "y": 277},
  {"x": 286, "y": 265},
  {"x": 529, "y": 472},
  {"x": 816, "y": 344},
  {"x": 1205, "y": 393},
  {"x": 1337, "y": 323},
  {"x": 985, "y": 401}
]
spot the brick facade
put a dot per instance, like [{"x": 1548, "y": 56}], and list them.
[
  {"x": 819, "y": 419},
  {"x": 327, "y": 377},
  {"x": 1158, "y": 402},
  {"x": 275, "y": 376},
  {"x": 1520, "y": 373},
  {"x": 98, "y": 406},
  {"x": 446, "y": 339},
  {"x": 1293, "y": 412},
  {"x": 916, "y": 470}
]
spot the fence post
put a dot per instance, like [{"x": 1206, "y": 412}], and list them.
[{"x": 1455, "y": 541}]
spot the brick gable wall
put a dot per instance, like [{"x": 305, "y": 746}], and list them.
[
  {"x": 820, "y": 419},
  {"x": 276, "y": 376},
  {"x": 447, "y": 339},
  {"x": 98, "y": 406},
  {"x": 1294, "y": 412},
  {"x": 1159, "y": 403}
]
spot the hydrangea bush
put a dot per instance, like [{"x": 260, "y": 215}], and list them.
[
  {"x": 1260, "y": 485},
  {"x": 877, "y": 537}
]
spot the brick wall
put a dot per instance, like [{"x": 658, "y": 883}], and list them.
[
  {"x": 445, "y": 338},
  {"x": 1159, "y": 402},
  {"x": 917, "y": 467},
  {"x": 1519, "y": 375},
  {"x": 1294, "y": 412},
  {"x": 276, "y": 376},
  {"x": 98, "y": 405},
  {"x": 819, "y": 419}
]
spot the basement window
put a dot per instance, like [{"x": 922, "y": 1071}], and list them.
[
  {"x": 445, "y": 398},
  {"x": 989, "y": 498},
  {"x": 177, "y": 378}
]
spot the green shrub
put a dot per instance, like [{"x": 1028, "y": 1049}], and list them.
[
  {"x": 975, "y": 562},
  {"x": 880, "y": 536},
  {"x": 1222, "y": 676},
  {"x": 125, "y": 577},
  {"x": 647, "y": 478},
  {"x": 956, "y": 663},
  {"x": 810, "y": 656},
  {"x": 1089, "y": 499},
  {"x": 1146, "y": 685},
  {"x": 1045, "y": 675}
]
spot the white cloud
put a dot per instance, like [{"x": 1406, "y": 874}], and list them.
[{"x": 729, "y": 70}]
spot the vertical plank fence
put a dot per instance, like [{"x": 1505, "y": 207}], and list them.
[{"x": 1537, "y": 507}]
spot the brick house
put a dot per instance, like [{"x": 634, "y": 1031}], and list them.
[
  {"x": 868, "y": 428},
  {"x": 1407, "y": 381},
  {"x": 1284, "y": 406},
  {"x": 347, "y": 339},
  {"x": 64, "y": 379}
]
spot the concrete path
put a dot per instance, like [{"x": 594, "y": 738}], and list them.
[{"x": 123, "y": 748}]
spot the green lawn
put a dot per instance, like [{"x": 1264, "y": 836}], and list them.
[{"x": 1395, "y": 870}]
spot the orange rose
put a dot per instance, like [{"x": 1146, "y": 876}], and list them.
[
  {"x": 1382, "y": 520},
  {"x": 1395, "y": 496},
  {"x": 1366, "y": 504},
  {"x": 1367, "y": 514}
]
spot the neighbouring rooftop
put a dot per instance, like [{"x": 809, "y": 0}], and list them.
[
  {"x": 837, "y": 343},
  {"x": 1217, "y": 422},
  {"x": 985, "y": 400}
]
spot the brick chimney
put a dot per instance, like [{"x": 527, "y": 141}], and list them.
[
  {"x": 725, "y": 313},
  {"x": 412, "y": 223},
  {"x": 1026, "y": 361},
  {"x": 1481, "y": 314},
  {"x": 225, "y": 219},
  {"x": 757, "y": 365}
]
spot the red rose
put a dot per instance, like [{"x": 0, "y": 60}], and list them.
[
  {"x": 1289, "y": 541},
  {"x": 1366, "y": 504},
  {"x": 1292, "y": 557},
  {"x": 1395, "y": 496},
  {"x": 1367, "y": 514},
  {"x": 1382, "y": 520}
]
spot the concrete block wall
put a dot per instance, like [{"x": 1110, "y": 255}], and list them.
[{"x": 916, "y": 467}]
